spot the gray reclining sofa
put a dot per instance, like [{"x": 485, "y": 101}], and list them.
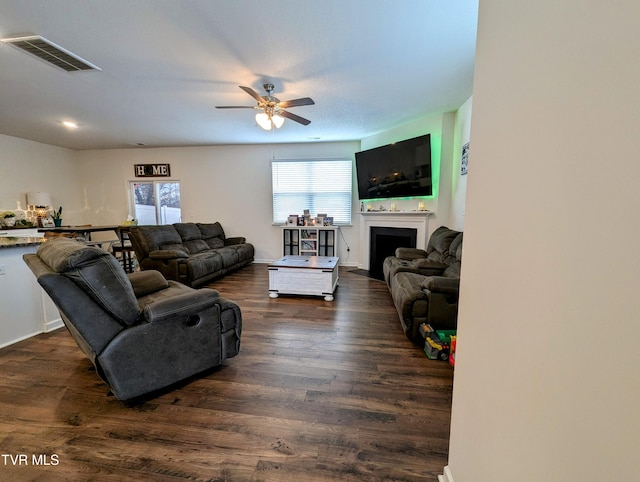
[
  {"x": 424, "y": 284},
  {"x": 190, "y": 253}
]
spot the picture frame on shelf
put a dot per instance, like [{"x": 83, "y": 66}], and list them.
[
  {"x": 319, "y": 220},
  {"x": 328, "y": 221},
  {"x": 292, "y": 220},
  {"x": 47, "y": 222}
]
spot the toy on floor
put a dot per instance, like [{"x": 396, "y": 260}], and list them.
[{"x": 437, "y": 344}]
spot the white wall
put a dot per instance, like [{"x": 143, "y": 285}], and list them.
[
  {"x": 449, "y": 131},
  {"x": 435, "y": 125},
  {"x": 31, "y": 166},
  {"x": 20, "y": 298},
  {"x": 230, "y": 184},
  {"x": 546, "y": 385},
  {"x": 459, "y": 181}
]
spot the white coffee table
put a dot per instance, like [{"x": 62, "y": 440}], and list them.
[{"x": 304, "y": 275}]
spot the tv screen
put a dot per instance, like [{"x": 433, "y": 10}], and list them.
[{"x": 401, "y": 169}]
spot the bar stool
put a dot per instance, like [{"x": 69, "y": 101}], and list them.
[{"x": 125, "y": 251}]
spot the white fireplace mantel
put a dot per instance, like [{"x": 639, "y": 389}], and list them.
[{"x": 418, "y": 220}]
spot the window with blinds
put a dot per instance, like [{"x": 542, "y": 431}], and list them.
[{"x": 319, "y": 185}]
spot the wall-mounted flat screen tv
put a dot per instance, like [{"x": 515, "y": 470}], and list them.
[{"x": 401, "y": 169}]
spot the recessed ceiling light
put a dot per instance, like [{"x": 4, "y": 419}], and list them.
[{"x": 70, "y": 125}]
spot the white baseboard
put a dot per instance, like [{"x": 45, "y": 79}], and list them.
[
  {"x": 19, "y": 339},
  {"x": 49, "y": 326},
  {"x": 53, "y": 325},
  {"x": 446, "y": 477}
]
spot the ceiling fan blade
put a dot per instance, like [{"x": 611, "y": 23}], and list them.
[
  {"x": 293, "y": 117},
  {"x": 296, "y": 102},
  {"x": 235, "y": 107},
  {"x": 253, "y": 94}
]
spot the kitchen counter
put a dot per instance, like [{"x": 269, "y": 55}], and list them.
[
  {"x": 20, "y": 237},
  {"x": 29, "y": 310},
  {"x": 20, "y": 241}
]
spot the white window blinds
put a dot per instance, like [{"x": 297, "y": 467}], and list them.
[{"x": 319, "y": 185}]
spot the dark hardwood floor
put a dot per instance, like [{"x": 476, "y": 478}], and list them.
[{"x": 321, "y": 391}]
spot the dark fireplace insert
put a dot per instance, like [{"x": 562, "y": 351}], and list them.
[{"x": 383, "y": 242}]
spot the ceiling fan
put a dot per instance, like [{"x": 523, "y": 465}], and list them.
[{"x": 273, "y": 109}]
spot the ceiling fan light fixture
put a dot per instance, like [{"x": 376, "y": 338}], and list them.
[
  {"x": 271, "y": 109},
  {"x": 267, "y": 122},
  {"x": 277, "y": 121},
  {"x": 263, "y": 121}
]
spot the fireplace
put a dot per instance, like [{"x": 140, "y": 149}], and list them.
[
  {"x": 383, "y": 242},
  {"x": 416, "y": 220}
]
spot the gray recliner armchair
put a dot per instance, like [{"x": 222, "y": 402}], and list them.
[{"x": 141, "y": 332}]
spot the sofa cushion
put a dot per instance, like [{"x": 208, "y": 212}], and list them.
[
  {"x": 441, "y": 284},
  {"x": 453, "y": 271},
  {"x": 188, "y": 231},
  {"x": 214, "y": 243},
  {"x": 454, "y": 251},
  {"x": 213, "y": 234},
  {"x": 411, "y": 301},
  {"x": 147, "y": 282},
  {"x": 441, "y": 240},
  {"x": 210, "y": 230},
  {"x": 168, "y": 254},
  {"x": 229, "y": 256},
  {"x": 204, "y": 264},
  {"x": 173, "y": 289},
  {"x": 244, "y": 251},
  {"x": 195, "y": 246},
  {"x": 152, "y": 238},
  {"x": 410, "y": 253},
  {"x": 63, "y": 254},
  {"x": 97, "y": 273},
  {"x": 455, "y": 245},
  {"x": 428, "y": 266}
]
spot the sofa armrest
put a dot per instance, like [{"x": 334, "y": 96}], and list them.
[
  {"x": 181, "y": 307},
  {"x": 428, "y": 267},
  {"x": 235, "y": 240},
  {"x": 410, "y": 253},
  {"x": 441, "y": 284},
  {"x": 163, "y": 254},
  {"x": 147, "y": 282}
]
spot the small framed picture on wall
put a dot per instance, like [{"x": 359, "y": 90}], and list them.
[{"x": 464, "y": 165}]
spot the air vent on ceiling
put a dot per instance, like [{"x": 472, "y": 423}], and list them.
[{"x": 49, "y": 52}]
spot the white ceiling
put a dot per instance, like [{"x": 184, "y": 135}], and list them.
[{"x": 369, "y": 65}]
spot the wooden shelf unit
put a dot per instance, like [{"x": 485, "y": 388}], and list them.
[{"x": 310, "y": 241}]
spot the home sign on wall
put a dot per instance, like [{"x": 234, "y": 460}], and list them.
[{"x": 152, "y": 170}]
